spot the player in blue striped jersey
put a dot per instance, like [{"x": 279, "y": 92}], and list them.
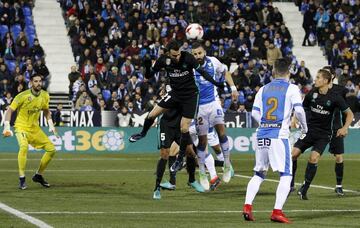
[
  {"x": 210, "y": 114},
  {"x": 272, "y": 109}
]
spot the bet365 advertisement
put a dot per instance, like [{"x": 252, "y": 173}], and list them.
[{"x": 115, "y": 140}]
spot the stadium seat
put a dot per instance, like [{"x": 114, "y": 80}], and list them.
[
  {"x": 27, "y": 11},
  {"x": 31, "y": 38},
  {"x": 30, "y": 29},
  {"x": 106, "y": 94},
  {"x": 15, "y": 30},
  {"x": 11, "y": 65},
  {"x": 29, "y": 20},
  {"x": 3, "y": 30}
]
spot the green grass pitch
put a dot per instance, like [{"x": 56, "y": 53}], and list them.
[{"x": 116, "y": 191}]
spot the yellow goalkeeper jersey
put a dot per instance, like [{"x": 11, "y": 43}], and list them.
[{"x": 28, "y": 107}]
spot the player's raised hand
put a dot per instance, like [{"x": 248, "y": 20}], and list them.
[
  {"x": 234, "y": 94},
  {"x": 342, "y": 132},
  {"x": 7, "y": 131}
]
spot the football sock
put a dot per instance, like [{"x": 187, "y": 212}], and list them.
[
  {"x": 224, "y": 144},
  {"x": 160, "y": 169},
  {"x": 190, "y": 167},
  {"x": 294, "y": 168},
  {"x": 172, "y": 174},
  {"x": 253, "y": 188},
  {"x": 201, "y": 159},
  {"x": 219, "y": 163},
  {"x": 45, "y": 160},
  {"x": 220, "y": 156},
  {"x": 309, "y": 175},
  {"x": 282, "y": 192},
  {"x": 209, "y": 162},
  {"x": 184, "y": 141},
  {"x": 147, "y": 124},
  {"x": 22, "y": 160},
  {"x": 339, "y": 171}
]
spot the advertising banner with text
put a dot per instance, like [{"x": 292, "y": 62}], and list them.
[{"x": 115, "y": 140}]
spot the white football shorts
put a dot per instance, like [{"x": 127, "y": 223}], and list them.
[{"x": 273, "y": 152}]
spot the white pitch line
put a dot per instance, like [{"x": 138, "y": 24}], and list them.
[
  {"x": 299, "y": 184},
  {"x": 24, "y": 216},
  {"x": 139, "y": 159},
  {"x": 148, "y": 170},
  {"x": 185, "y": 212},
  {"x": 85, "y": 170}
]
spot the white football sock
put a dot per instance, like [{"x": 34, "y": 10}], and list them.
[
  {"x": 210, "y": 165},
  {"x": 226, "y": 151},
  {"x": 282, "y": 191},
  {"x": 220, "y": 157},
  {"x": 253, "y": 188},
  {"x": 201, "y": 159}
]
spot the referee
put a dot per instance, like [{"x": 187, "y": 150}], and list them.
[
  {"x": 180, "y": 66},
  {"x": 320, "y": 103}
]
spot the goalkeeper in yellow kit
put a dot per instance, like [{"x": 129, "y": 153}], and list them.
[{"x": 28, "y": 105}]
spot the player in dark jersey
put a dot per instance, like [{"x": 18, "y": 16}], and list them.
[
  {"x": 336, "y": 146},
  {"x": 320, "y": 104},
  {"x": 170, "y": 133},
  {"x": 179, "y": 66}
]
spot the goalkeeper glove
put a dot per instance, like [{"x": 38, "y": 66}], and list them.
[{"x": 7, "y": 131}]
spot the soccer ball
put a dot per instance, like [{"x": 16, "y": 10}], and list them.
[
  {"x": 194, "y": 32},
  {"x": 113, "y": 140}
]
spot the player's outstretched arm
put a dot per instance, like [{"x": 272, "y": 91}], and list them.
[
  {"x": 7, "y": 131},
  {"x": 230, "y": 81},
  {"x": 342, "y": 132},
  {"x": 52, "y": 129},
  {"x": 207, "y": 76}
]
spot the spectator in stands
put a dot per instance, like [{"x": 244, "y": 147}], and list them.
[
  {"x": 76, "y": 87},
  {"x": 36, "y": 51},
  {"x": 115, "y": 106},
  {"x": 84, "y": 99},
  {"x": 9, "y": 44},
  {"x": 41, "y": 68},
  {"x": 308, "y": 25},
  {"x": 273, "y": 53},
  {"x": 93, "y": 85},
  {"x": 87, "y": 106},
  {"x": 19, "y": 85},
  {"x": 57, "y": 116},
  {"x": 321, "y": 19},
  {"x": 124, "y": 117},
  {"x": 130, "y": 107},
  {"x": 8, "y": 99},
  {"x": 73, "y": 76},
  {"x": 127, "y": 68},
  {"x": 132, "y": 84},
  {"x": 22, "y": 51}
]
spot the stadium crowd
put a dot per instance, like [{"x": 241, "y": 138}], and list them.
[
  {"x": 335, "y": 27},
  {"x": 110, "y": 41},
  {"x": 21, "y": 55}
]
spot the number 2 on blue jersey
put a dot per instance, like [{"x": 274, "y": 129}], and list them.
[{"x": 272, "y": 103}]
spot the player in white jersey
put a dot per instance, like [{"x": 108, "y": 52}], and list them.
[
  {"x": 210, "y": 114},
  {"x": 272, "y": 109}
]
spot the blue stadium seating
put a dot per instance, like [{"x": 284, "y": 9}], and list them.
[
  {"x": 11, "y": 65},
  {"x": 3, "y": 30},
  {"x": 15, "y": 30},
  {"x": 26, "y": 11}
]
